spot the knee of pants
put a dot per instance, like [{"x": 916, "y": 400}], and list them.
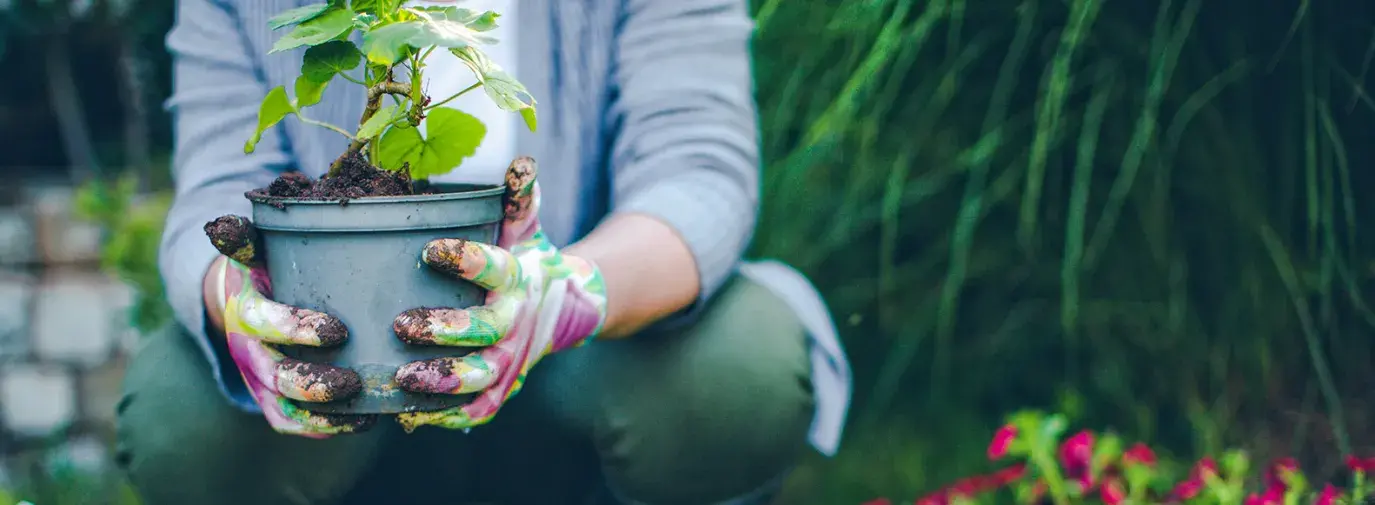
[
  {"x": 171, "y": 458},
  {"x": 713, "y": 413},
  {"x": 179, "y": 441}
]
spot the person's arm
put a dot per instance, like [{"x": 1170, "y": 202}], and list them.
[
  {"x": 685, "y": 162},
  {"x": 647, "y": 268},
  {"x": 214, "y": 105}
]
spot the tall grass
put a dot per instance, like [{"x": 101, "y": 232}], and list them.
[{"x": 1145, "y": 212}]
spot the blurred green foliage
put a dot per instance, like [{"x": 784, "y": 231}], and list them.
[
  {"x": 1146, "y": 211},
  {"x": 54, "y": 477},
  {"x": 131, "y": 225}
]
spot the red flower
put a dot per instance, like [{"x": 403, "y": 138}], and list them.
[
  {"x": 1274, "y": 476},
  {"x": 973, "y": 486},
  {"x": 1197, "y": 479},
  {"x": 1113, "y": 494},
  {"x": 1357, "y": 464},
  {"x": 1076, "y": 455},
  {"x": 1187, "y": 490},
  {"x": 1203, "y": 468},
  {"x": 1002, "y": 440},
  {"x": 1139, "y": 454},
  {"x": 1258, "y": 499},
  {"x": 1328, "y": 496}
]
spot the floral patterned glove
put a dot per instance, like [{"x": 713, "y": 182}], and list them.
[
  {"x": 539, "y": 301},
  {"x": 254, "y": 324}
]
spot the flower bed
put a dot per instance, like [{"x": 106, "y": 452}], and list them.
[{"x": 1089, "y": 467}]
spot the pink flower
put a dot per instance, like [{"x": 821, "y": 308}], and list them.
[
  {"x": 1357, "y": 464},
  {"x": 1076, "y": 455},
  {"x": 1139, "y": 454},
  {"x": 1187, "y": 490},
  {"x": 1113, "y": 494},
  {"x": 1196, "y": 481},
  {"x": 1203, "y": 469},
  {"x": 1002, "y": 440},
  {"x": 1271, "y": 496},
  {"x": 1274, "y": 476},
  {"x": 971, "y": 487},
  {"x": 1328, "y": 496}
]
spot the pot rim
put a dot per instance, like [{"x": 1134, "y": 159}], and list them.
[{"x": 476, "y": 191}]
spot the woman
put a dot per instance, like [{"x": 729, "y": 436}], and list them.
[{"x": 701, "y": 382}]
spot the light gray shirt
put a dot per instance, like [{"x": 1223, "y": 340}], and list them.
[{"x": 646, "y": 106}]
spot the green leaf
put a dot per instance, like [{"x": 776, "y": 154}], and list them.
[
  {"x": 319, "y": 66},
  {"x": 380, "y": 121},
  {"x": 528, "y": 114},
  {"x": 333, "y": 23},
  {"x": 297, "y": 15},
  {"x": 481, "y": 21},
  {"x": 503, "y": 88},
  {"x": 398, "y": 146},
  {"x": 309, "y": 91},
  {"x": 384, "y": 44},
  {"x": 326, "y": 60},
  {"x": 363, "y": 20},
  {"x": 275, "y": 107},
  {"x": 368, "y": 6},
  {"x": 374, "y": 6},
  {"x": 486, "y": 21},
  {"x": 452, "y": 135}
]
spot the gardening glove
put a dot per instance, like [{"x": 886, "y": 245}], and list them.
[
  {"x": 254, "y": 325},
  {"x": 539, "y": 301}
]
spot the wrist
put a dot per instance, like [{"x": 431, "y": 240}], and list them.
[{"x": 647, "y": 270}]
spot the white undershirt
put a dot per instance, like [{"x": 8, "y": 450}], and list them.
[{"x": 445, "y": 75}]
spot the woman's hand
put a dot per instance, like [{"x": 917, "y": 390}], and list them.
[
  {"x": 238, "y": 291},
  {"x": 540, "y": 301}
]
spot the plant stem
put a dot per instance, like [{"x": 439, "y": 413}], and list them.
[
  {"x": 1045, "y": 463},
  {"x": 375, "y": 94},
  {"x": 456, "y": 95},
  {"x": 323, "y": 124},
  {"x": 351, "y": 79}
]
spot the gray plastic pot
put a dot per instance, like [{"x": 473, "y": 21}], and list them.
[{"x": 360, "y": 262}]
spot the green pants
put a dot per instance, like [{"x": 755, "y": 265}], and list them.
[{"x": 704, "y": 414}]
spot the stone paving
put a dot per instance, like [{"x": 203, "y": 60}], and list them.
[{"x": 63, "y": 324}]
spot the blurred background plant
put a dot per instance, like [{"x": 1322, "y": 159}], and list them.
[
  {"x": 132, "y": 229},
  {"x": 1141, "y": 214}
]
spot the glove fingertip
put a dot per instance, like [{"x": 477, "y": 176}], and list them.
[
  {"x": 312, "y": 382},
  {"x": 235, "y": 237},
  {"x": 460, "y": 258}
]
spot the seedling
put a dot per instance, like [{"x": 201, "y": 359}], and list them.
[{"x": 397, "y": 39}]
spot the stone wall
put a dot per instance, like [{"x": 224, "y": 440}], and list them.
[{"x": 64, "y": 331}]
